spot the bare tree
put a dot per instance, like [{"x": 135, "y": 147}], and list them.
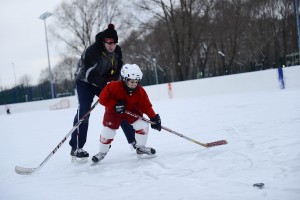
[
  {"x": 230, "y": 22},
  {"x": 25, "y": 80},
  {"x": 187, "y": 38},
  {"x": 78, "y": 21},
  {"x": 272, "y": 32},
  {"x": 76, "y": 24},
  {"x": 285, "y": 12},
  {"x": 183, "y": 29},
  {"x": 65, "y": 69}
]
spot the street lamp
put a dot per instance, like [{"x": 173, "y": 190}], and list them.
[
  {"x": 153, "y": 63},
  {"x": 224, "y": 61},
  {"x": 155, "y": 70},
  {"x": 44, "y": 17},
  {"x": 296, "y": 5}
]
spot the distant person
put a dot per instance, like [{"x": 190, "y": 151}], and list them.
[
  {"x": 126, "y": 94},
  {"x": 100, "y": 63},
  {"x": 7, "y": 109}
]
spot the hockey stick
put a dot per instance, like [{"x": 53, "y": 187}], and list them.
[
  {"x": 28, "y": 171},
  {"x": 207, "y": 145}
]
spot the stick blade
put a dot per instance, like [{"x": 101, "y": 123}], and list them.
[
  {"x": 216, "y": 143},
  {"x": 24, "y": 170}
]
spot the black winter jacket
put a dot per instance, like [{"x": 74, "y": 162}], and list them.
[{"x": 97, "y": 66}]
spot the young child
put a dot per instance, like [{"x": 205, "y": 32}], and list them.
[{"x": 126, "y": 94}]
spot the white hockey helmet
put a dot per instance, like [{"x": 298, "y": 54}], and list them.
[{"x": 132, "y": 72}]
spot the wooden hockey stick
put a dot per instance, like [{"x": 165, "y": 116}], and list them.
[
  {"x": 28, "y": 171},
  {"x": 207, "y": 145}
]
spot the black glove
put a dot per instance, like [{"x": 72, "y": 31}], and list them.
[
  {"x": 120, "y": 107},
  {"x": 156, "y": 122}
]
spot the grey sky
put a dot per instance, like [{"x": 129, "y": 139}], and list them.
[{"x": 22, "y": 39}]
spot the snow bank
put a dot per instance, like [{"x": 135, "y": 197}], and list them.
[{"x": 238, "y": 83}]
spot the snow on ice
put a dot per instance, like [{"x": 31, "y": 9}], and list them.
[{"x": 260, "y": 122}]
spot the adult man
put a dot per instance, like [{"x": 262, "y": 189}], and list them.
[{"x": 100, "y": 63}]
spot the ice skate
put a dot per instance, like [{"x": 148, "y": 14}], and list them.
[
  {"x": 97, "y": 158},
  {"x": 79, "y": 156},
  {"x": 145, "y": 152},
  {"x": 132, "y": 145}
]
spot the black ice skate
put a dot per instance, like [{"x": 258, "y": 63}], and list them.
[
  {"x": 79, "y": 155},
  {"x": 145, "y": 152},
  {"x": 97, "y": 158}
]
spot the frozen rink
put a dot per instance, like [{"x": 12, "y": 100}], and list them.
[{"x": 261, "y": 125}]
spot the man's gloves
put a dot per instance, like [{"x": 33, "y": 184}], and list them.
[
  {"x": 156, "y": 122},
  {"x": 120, "y": 107}
]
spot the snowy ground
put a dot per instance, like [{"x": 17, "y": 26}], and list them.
[{"x": 262, "y": 129}]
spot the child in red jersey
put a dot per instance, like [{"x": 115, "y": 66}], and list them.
[{"x": 126, "y": 94}]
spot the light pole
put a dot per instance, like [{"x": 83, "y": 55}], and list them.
[
  {"x": 155, "y": 70},
  {"x": 224, "y": 61},
  {"x": 44, "y": 17},
  {"x": 296, "y": 7}
]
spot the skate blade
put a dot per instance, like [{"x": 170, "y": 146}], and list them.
[
  {"x": 145, "y": 156},
  {"x": 94, "y": 164},
  {"x": 75, "y": 159}
]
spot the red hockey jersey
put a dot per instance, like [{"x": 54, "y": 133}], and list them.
[{"x": 115, "y": 91}]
